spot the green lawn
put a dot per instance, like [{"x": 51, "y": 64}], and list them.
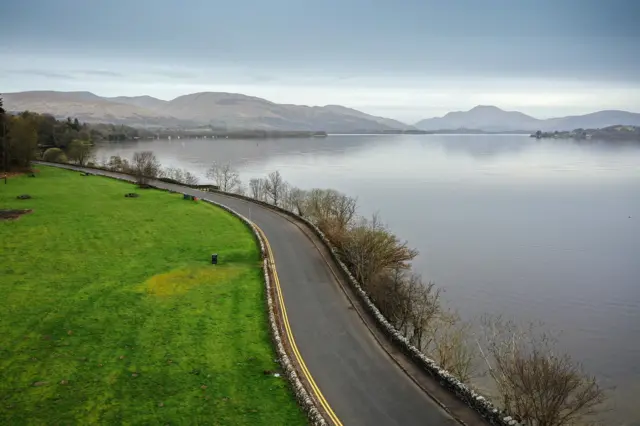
[{"x": 112, "y": 314}]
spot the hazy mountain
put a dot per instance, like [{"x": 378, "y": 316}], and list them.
[
  {"x": 148, "y": 102},
  {"x": 482, "y": 117},
  {"x": 394, "y": 124},
  {"x": 85, "y": 106},
  {"x": 491, "y": 118},
  {"x": 596, "y": 120},
  {"x": 223, "y": 110},
  {"x": 236, "y": 111}
]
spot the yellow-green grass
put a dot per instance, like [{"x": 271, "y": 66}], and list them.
[{"x": 111, "y": 312}]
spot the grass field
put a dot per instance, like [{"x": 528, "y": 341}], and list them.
[{"x": 112, "y": 314}]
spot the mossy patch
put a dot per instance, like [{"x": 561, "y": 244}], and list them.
[{"x": 180, "y": 281}]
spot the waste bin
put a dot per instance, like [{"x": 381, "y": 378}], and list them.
[{"x": 214, "y": 259}]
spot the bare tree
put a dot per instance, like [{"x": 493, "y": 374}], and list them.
[
  {"x": 172, "y": 173},
  {"x": 297, "y": 200},
  {"x": 145, "y": 166},
  {"x": 182, "y": 176},
  {"x": 224, "y": 176},
  {"x": 257, "y": 188},
  {"x": 331, "y": 211},
  {"x": 275, "y": 187},
  {"x": 190, "y": 178},
  {"x": 118, "y": 164},
  {"x": 369, "y": 248},
  {"x": 534, "y": 382},
  {"x": 449, "y": 342}
]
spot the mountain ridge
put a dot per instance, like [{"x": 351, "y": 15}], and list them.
[
  {"x": 234, "y": 111},
  {"x": 493, "y": 119},
  {"x": 230, "y": 111}
]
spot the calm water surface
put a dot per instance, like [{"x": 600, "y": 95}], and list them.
[{"x": 535, "y": 230}]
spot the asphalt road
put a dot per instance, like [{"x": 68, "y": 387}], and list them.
[{"x": 357, "y": 377}]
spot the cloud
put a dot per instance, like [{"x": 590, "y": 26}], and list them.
[
  {"x": 39, "y": 73},
  {"x": 101, "y": 73}
]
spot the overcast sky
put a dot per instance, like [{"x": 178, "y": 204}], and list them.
[{"x": 406, "y": 59}]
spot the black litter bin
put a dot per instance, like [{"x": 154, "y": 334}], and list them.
[{"x": 214, "y": 259}]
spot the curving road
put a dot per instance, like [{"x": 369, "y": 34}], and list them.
[{"x": 361, "y": 382}]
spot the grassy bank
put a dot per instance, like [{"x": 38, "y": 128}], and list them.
[{"x": 111, "y": 312}]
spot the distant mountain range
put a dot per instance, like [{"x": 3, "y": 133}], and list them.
[
  {"x": 232, "y": 111},
  {"x": 229, "y": 111},
  {"x": 493, "y": 119}
]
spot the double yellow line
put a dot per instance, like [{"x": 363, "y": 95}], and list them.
[{"x": 305, "y": 371}]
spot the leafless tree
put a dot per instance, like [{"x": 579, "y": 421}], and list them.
[
  {"x": 369, "y": 248},
  {"x": 297, "y": 200},
  {"x": 241, "y": 190},
  {"x": 172, "y": 173},
  {"x": 332, "y": 211},
  {"x": 182, "y": 176},
  {"x": 449, "y": 341},
  {"x": 533, "y": 381},
  {"x": 145, "y": 166},
  {"x": 275, "y": 187},
  {"x": 225, "y": 177},
  {"x": 118, "y": 164},
  {"x": 257, "y": 188},
  {"x": 190, "y": 178}
]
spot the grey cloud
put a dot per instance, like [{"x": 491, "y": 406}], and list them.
[
  {"x": 40, "y": 73},
  {"x": 101, "y": 73}
]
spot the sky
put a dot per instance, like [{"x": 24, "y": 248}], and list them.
[{"x": 404, "y": 59}]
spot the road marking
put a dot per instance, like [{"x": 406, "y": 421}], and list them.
[{"x": 294, "y": 347}]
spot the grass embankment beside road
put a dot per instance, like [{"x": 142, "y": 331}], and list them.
[{"x": 112, "y": 313}]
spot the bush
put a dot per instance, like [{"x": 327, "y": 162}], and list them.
[{"x": 54, "y": 155}]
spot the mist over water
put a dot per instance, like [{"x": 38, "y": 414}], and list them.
[{"x": 535, "y": 230}]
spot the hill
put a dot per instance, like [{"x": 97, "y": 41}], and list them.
[
  {"x": 230, "y": 111},
  {"x": 494, "y": 119},
  {"x": 481, "y": 117},
  {"x": 86, "y": 107}
]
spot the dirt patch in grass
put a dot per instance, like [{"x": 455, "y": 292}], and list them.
[{"x": 13, "y": 214}]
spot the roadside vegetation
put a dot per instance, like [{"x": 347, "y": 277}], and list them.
[{"x": 112, "y": 312}]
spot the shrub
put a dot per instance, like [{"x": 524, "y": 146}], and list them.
[{"x": 54, "y": 155}]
